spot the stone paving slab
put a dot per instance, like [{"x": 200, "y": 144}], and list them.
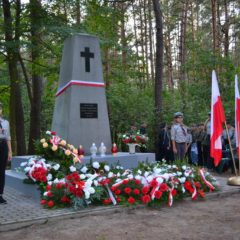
[{"x": 22, "y": 210}]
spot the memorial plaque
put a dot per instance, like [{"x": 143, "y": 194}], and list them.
[{"x": 88, "y": 110}]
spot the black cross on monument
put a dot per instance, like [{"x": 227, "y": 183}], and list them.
[{"x": 87, "y": 55}]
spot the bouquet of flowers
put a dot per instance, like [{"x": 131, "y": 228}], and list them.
[
  {"x": 53, "y": 148},
  {"x": 134, "y": 137}
]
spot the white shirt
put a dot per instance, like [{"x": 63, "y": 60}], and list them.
[{"x": 5, "y": 134}]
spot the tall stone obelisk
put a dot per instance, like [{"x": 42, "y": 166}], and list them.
[{"x": 80, "y": 113}]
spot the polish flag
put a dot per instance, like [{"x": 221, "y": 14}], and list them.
[
  {"x": 217, "y": 119},
  {"x": 237, "y": 115}
]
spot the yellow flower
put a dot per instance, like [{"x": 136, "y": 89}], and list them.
[
  {"x": 76, "y": 160},
  {"x": 45, "y": 145},
  {"x": 75, "y": 151},
  {"x": 54, "y": 148},
  {"x": 67, "y": 152},
  {"x": 63, "y": 143},
  {"x": 43, "y": 140}
]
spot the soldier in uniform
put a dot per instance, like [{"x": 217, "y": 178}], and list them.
[
  {"x": 5, "y": 151},
  {"x": 179, "y": 137}
]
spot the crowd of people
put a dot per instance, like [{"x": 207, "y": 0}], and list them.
[{"x": 192, "y": 143}]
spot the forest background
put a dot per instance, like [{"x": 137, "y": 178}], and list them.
[{"x": 157, "y": 59}]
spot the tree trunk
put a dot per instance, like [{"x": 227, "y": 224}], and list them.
[
  {"x": 78, "y": 15},
  {"x": 12, "y": 48},
  {"x": 150, "y": 31},
  {"x": 214, "y": 25},
  {"x": 37, "y": 85},
  {"x": 159, "y": 67},
  {"x": 182, "y": 47},
  {"x": 226, "y": 29}
]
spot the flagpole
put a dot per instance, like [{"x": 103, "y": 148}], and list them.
[
  {"x": 238, "y": 148},
  {"x": 231, "y": 150}
]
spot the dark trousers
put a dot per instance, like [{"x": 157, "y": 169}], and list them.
[
  {"x": 3, "y": 163},
  {"x": 180, "y": 151}
]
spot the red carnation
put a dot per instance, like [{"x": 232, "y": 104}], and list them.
[
  {"x": 197, "y": 184},
  {"x": 59, "y": 185},
  {"x": 174, "y": 192},
  {"x": 127, "y": 190},
  {"x": 65, "y": 199},
  {"x": 117, "y": 191},
  {"x": 125, "y": 181},
  {"x": 43, "y": 202},
  {"x": 50, "y": 204},
  {"x": 131, "y": 200},
  {"x": 163, "y": 187},
  {"x": 48, "y": 187},
  {"x": 53, "y": 133},
  {"x": 107, "y": 201},
  {"x": 154, "y": 183},
  {"x": 145, "y": 190},
  {"x": 137, "y": 182},
  {"x": 118, "y": 199},
  {"x": 158, "y": 194},
  {"x": 136, "y": 191},
  {"x": 146, "y": 199},
  {"x": 49, "y": 194}
]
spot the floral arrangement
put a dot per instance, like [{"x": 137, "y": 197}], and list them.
[
  {"x": 99, "y": 183},
  {"x": 56, "y": 149},
  {"x": 134, "y": 136}
]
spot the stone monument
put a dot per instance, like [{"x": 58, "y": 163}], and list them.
[{"x": 80, "y": 113}]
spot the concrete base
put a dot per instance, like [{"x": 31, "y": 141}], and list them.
[{"x": 15, "y": 179}]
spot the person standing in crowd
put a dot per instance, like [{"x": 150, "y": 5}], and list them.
[
  {"x": 207, "y": 157},
  {"x": 231, "y": 132},
  {"x": 143, "y": 129},
  {"x": 5, "y": 151},
  {"x": 164, "y": 143},
  {"x": 179, "y": 137},
  {"x": 194, "y": 148},
  {"x": 200, "y": 138},
  {"x": 189, "y": 144}
]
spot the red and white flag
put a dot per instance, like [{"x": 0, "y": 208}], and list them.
[
  {"x": 217, "y": 119},
  {"x": 237, "y": 115}
]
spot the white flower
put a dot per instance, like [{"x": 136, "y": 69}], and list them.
[
  {"x": 72, "y": 169},
  {"x": 38, "y": 165},
  {"x": 117, "y": 167},
  {"x": 82, "y": 176},
  {"x": 146, "y": 174},
  {"x": 182, "y": 180},
  {"x": 139, "y": 171},
  {"x": 56, "y": 167},
  {"x": 186, "y": 174},
  {"x": 56, "y": 180},
  {"x": 45, "y": 194},
  {"x": 184, "y": 167},
  {"x": 62, "y": 180},
  {"x": 95, "y": 182},
  {"x": 118, "y": 174},
  {"x": 49, "y": 183},
  {"x": 49, "y": 177},
  {"x": 118, "y": 180},
  {"x": 48, "y": 132},
  {"x": 106, "y": 168},
  {"x": 96, "y": 165},
  {"x": 84, "y": 169},
  {"x": 87, "y": 195},
  {"x": 23, "y": 164},
  {"x": 174, "y": 166},
  {"x": 157, "y": 170},
  {"x": 27, "y": 169},
  {"x": 88, "y": 183},
  {"x": 179, "y": 173},
  {"x": 130, "y": 176},
  {"x": 110, "y": 174},
  {"x": 150, "y": 178},
  {"x": 91, "y": 190},
  {"x": 138, "y": 177},
  {"x": 159, "y": 180}
]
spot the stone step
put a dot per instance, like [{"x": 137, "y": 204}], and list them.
[
  {"x": 15, "y": 180},
  {"x": 17, "y": 160}
]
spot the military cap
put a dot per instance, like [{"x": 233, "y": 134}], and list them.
[{"x": 178, "y": 114}]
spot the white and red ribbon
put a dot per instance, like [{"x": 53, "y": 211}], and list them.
[
  {"x": 202, "y": 175},
  {"x": 79, "y": 83}
]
